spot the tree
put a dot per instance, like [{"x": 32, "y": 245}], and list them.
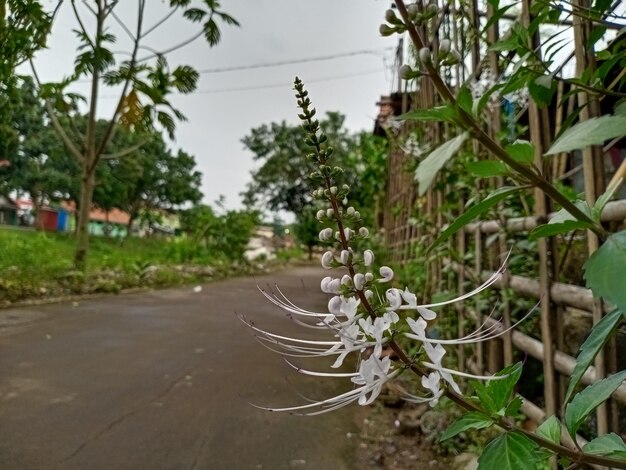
[
  {"x": 152, "y": 177},
  {"x": 24, "y": 27},
  {"x": 146, "y": 83},
  {"x": 281, "y": 182}
]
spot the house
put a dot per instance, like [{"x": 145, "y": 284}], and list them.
[{"x": 8, "y": 211}]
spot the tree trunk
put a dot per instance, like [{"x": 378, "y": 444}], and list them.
[
  {"x": 310, "y": 246},
  {"x": 82, "y": 226}
]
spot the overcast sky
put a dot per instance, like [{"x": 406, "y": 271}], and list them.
[{"x": 227, "y": 105}]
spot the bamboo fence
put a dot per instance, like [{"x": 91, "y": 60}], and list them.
[{"x": 412, "y": 221}]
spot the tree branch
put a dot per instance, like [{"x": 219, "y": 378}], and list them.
[
  {"x": 55, "y": 121},
  {"x": 133, "y": 62},
  {"x": 123, "y": 153}
]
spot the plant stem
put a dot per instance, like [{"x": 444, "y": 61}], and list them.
[{"x": 479, "y": 134}]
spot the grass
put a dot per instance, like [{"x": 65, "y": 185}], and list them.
[{"x": 39, "y": 264}]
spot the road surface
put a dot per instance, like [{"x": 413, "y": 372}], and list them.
[{"x": 162, "y": 380}]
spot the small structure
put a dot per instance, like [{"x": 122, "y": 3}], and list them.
[
  {"x": 261, "y": 244},
  {"x": 8, "y": 211}
]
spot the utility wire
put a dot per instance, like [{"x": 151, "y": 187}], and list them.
[{"x": 296, "y": 61}]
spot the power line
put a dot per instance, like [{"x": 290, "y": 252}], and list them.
[
  {"x": 296, "y": 61},
  {"x": 286, "y": 84},
  {"x": 272, "y": 85}
]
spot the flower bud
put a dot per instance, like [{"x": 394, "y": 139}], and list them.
[
  {"x": 431, "y": 10},
  {"x": 320, "y": 215},
  {"x": 412, "y": 9},
  {"x": 395, "y": 298},
  {"x": 425, "y": 56},
  {"x": 359, "y": 281},
  {"x": 334, "y": 305},
  {"x": 390, "y": 16},
  {"x": 369, "y": 277},
  {"x": 368, "y": 257},
  {"x": 386, "y": 274},
  {"x": 330, "y": 213},
  {"x": 444, "y": 46},
  {"x": 386, "y": 30},
  {"x": 333, "y": 190},
  {"x": 350, "y": 211},
  {"x": 406, "y": 72},
  {"x": 325, "y": 234},
  {"x": 364, "y": 232},
  {"x": 369, "y": 295},
  {"x": 346, "y": 280},
  {"x": 344, "y": 257},
  {"x": 327, "y": 259},
  {"x": 357, "y": 215},
  {"x": 348, "y": 232}
]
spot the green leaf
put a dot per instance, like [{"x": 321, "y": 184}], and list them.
[
  {"x": 472, "y": 420},
  {"x": 609, "y": 445},
  {"x": 512, "y": 409},
  {"x": 542, "y": 90},
  {"x": 604, "y": 270},
  {"x": 474, "y": 211},
  {"x": 550, "y": 429},
  {"x": 439, "y": 113},
  {"x": 486, "y": 400},
  {"x": 510, "y": 451},
  {"x": 562, "y": 222},
  {"x": 598, "y": 207},
  {"x": 598, "y": 336},
  {"x": 501, "y": 389},
  {"x": 428, "y": 168},
  {"x": 591, "y": 132},
  {"x": 464, "y": 100},
  {"x": 589, "y": 399},
  {"x": 487, "y": 168},
  {"x": 521, "y": 151}
]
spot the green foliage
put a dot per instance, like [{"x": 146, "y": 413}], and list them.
[
  {"x": 226, "y": 234},
  {"x": 604, "y": 270},
  {"x": 589, "y": 399},
  {"x": 591, "y": 132},
  {"x": 474, "y": 211},
  {"x": 306, "y": 229},
  {"x": 609, "y": 445},
  {"x": 562, "y": 222},
  {"x": 438, "y": 114},
  {"x": 550, "y": 429},
  {"x": 472, "y": 420},
  {"x": 487, "y": 168},
  {"x": 495, "y": 396},
  {"x": 521, "y": 151},
  {"x": 510, "y": 451},
  {"x": 430, "y": 166},
  {"x": 599, "y": 335}
]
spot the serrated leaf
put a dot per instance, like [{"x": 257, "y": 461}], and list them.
[
  {"x": 598, "y": 336},
  {"x": 487, "y": 168},
  {"x": 486, "y": 400},
  {"x": 430, "y": 166},
  {"x": 511, "y": 451},
  {"x": 602, "y": 201},
  {"x": 609, "y": 445},
  {"x": 591, "y": 132},
  {"x": 604, "y": 270},
  {"x": 541, "y": 94},
  {"x": 464, "y": 100},
  {"x": 438, "y": 114},
  {"x": 474, "y": 211},
  {"x": 550, "y": 429},
  {"x": 512, "y": 409},
  {"x": 501, "y": 389},
  {"x": 589, "y": 399},
  {"x": 521, "y": 151},
  {"x": 472, "y": 420}
]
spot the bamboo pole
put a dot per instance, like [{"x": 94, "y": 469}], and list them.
[{"x": 593, "y": 174}]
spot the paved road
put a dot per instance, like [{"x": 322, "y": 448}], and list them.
[{"x": 161, "y": 380}]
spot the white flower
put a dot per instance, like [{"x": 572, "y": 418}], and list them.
[
  {"x": 394, "y": 297},
  {"x": 350, "y": 211},
  {"x": 368, "y": 257},
  {"x": 364, "y": 232},
  {"x": 386, "y": 274},
  {"x": 359, "y": 281},
  {"x": 373, "y": 373},
  {"x": 320, "y": 215},
  {"x": 330, "y": 285},
  {"x": 334, "y": 305},
  {"x": 344, "y": 257},
  {"x": 411, "y": 300},
  {"x": 346, "y": 280},
  {"x": 348, "y": 232},
  {"x": 330, "y": 212},
  {"x": 431, "y": 383},
  {"x": 327, "y": 259},
  {"x": 325, "y": 234}
]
